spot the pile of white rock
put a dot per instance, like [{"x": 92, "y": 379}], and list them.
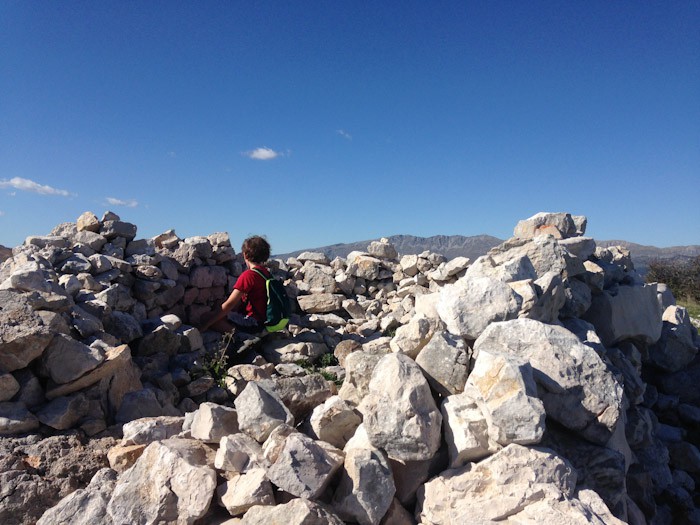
[{"x": 544, "y": 380}]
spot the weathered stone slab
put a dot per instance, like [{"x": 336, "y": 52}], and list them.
[
  {"x": 116, "y": 358},
  {"x": 23, "y": 334},
  {"x": 445, "y": 363},
  {"x": 260, "y": 410}
]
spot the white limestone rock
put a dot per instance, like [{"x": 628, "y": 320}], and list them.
[
  {"x": 496, "y": 488},
  {"x": 676, "y": 348},
  {"x": 382, "y": 249},
  {"x": 358, "y": 372},
  {"x": 508, "y": 396},
  {"x": 559, "y": 225},
  {"x": 172, "y": 482},
  {"x": 289, "y": 351},
  {"x": 244, "y": 491},
  {"x": 410, "y": 338},
  {"x": 149, "y": 429},
  {"x": 239, "y": 453},
  {"x": 470, "y": 305},
  {"x": 576, "y": 386},
  {"x": 299, "y": 511},
  {"x": 334, "y": 421},
  {"x": 24, "y": 336},
  {"x": 211, "y": 422},
  {"x": 466, "y": 429},
  {"x": 304, "y": 466},
  {"x": 319, "y": 303},
  {"x": 399, "y": 412}
]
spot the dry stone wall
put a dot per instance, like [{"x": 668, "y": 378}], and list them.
[{"x": 544, "y": 380}]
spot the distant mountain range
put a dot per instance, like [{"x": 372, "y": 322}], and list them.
[{"x": 452, "y": 246}]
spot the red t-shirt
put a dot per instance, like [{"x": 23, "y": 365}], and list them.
[{"x": 254, "y": 293}]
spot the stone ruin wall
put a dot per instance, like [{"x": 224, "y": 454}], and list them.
[{"x": 98, "y": 331}]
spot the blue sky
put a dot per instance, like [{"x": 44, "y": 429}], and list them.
[{"x": 324, "y": 122}]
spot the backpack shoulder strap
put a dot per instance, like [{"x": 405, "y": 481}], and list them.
[{"x": 261, "y": 274}]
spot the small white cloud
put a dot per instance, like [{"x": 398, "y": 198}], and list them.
[
  {"x": 2, "y": 213},
  {"x": 172, "y": 154},
  {"x": 29, "y": 185},
  {"x": 131, "y": 203},
  {"x": 262, "y": 154},
  {"x": 344, "y": 134}
]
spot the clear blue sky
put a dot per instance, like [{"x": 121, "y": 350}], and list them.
[{"x": 324, "y": 122}]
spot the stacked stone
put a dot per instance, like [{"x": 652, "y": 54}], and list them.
[
  {"x": 86, "y": 340},
  {"x": 544, "y": 381}
]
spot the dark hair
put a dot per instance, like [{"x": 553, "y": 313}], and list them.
[{"x": 256, "y": 249}]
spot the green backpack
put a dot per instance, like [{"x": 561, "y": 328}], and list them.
[{"x": 277, "y": 314}]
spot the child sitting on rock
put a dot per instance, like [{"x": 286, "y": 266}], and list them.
[{"x": 245, "y": 308}]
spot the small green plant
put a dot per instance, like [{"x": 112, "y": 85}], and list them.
[
  {"x": 215, "y": 364},
  {"x": 325, "y": 360}
]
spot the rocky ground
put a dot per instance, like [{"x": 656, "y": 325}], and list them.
[{"x": 541, "y": 381}]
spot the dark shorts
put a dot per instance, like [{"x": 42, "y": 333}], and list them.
[{"x": 245, "y": 324}]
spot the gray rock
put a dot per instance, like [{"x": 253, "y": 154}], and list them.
[
  {"x": 318, "y": 303},
  {"x": 290, "y": 351},
  {"x": 399, "y": 412},
  {"x": 84, "y": 506},
  {"x": 24, "y": 336},
  {"x": 111, "y": 229},
  {"x": 260, "y": 410},
  {"x": 631, "y": 313},
  {"x": 366, "y": 488},
  {"x": 445, "y": 363},
  {"x": 16, "y": 419},
  {"x": 305, "y": 467},
  {"x": 67, "y": 359},
  {"x": 382, "y": 249},
  {"x": 302, "y": 394},
  {"x": 8, "y": 387},
  {"x": 64, "y": 412},
  {"x": 358, "y": 372}
]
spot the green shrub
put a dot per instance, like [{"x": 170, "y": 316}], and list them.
[{"x": 683, "y": 278}]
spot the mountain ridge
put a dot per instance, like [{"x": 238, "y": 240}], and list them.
[{"x": 452, "y": 246}]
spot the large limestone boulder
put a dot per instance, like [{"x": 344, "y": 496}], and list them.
[
  {"x": 576, "y": 386},
  {"x": 504, "y": 487},
  {"x": 23, "y": 334},
  {"x": 172, "y": 482},
  {"x": 239, "y": 453},
  {"x": 471, "y": 304},
  {"x": 626, "y": 312},
  {"x": 399, "y": 412},
  {"x": 508, "y": 396}
]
